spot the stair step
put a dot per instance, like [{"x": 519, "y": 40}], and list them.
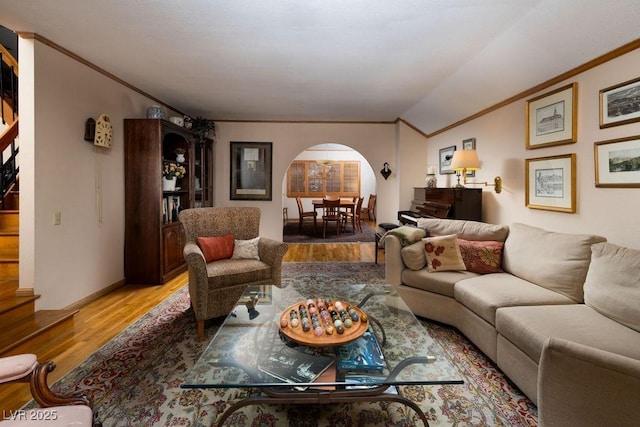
[
  {"x": 9, "y": 267},
  {"x": 8, "y": 287},
  {"x": 30, "y": 333},
  {"x": 12, "y": 200},
  {"x": 9, "y": 218},
  {"x": 10, "y": 241},
  {"x": 14, "y": 308}
]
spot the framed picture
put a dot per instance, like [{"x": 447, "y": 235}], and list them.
[
  {"x": 552, "y": 118},
  {"x": 620, "y": 104},
  {"x": 446, "y": 155},
  {"x": 550, "y": 183},
  {"x": 617, "y": 162},
  {"x": 469, "y": 144},
  {"x": 251, "y": 171}
]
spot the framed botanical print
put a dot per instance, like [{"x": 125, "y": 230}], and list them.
[
  {"x": 552, "y": 118},
  {"x": 550, "y": 183}
]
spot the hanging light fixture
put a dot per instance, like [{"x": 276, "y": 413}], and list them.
[{"x": 325, "y": 160}]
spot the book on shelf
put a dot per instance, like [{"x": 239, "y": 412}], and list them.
[{"x": 362, "y": 355}]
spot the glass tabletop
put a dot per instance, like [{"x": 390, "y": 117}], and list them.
[{"x": 249, "y": 349}]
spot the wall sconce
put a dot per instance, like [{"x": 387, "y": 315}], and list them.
[
  {"x": 385, "y": 172},
  {"x": 467, "y": 160}
]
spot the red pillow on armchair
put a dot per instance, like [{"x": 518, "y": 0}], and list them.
[{"x": 216, "y": 247}]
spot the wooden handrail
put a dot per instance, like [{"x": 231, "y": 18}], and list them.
[
  {"x": 9, "y": 136},
  {"x": 8, "y": 59}
]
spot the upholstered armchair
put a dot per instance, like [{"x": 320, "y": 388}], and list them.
[{"x": 233, "y": 258}]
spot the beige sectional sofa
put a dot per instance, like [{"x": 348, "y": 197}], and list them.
[{"x": 555, "y": 301}]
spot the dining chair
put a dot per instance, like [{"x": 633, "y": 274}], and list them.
[
  {"x": 309, "y": 214},
  {"x": 331, "y": 213},
  {"x": 370, "y": 209},
  {"x": 354, "y": 215}
]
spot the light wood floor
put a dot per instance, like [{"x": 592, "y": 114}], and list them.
[{"x": 99, "y": 321}]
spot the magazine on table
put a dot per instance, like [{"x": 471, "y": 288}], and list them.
[
  {"x": 362, "y": 355},
  {"x": 293, "y": 363}
]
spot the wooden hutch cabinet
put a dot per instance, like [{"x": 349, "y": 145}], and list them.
[{"x": 154, "y": 238}]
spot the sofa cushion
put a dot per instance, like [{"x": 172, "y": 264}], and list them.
[
  {"x": 529, "y": 327},
  {"x": 487, "y": 293},
  {"x": 441, "y": 282},
  {"x": 232, "y": 272},
  {"x": 215, "y": 248},
  {"x": 414, "y": 256},
  {"x": 482, "y": 257},
  {"x": 612, "y": 286},
  {"x": 468, "y": 230},
  {"x": 556, "y": 261},
  {"x": 443, "y": 253}
]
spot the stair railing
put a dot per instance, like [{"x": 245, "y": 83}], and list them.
[
  {"x": 8, "y": 86},
  {"x": 9, "y": 113}
]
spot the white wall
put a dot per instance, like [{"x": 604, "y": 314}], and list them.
[
  {"x": 500, "y": 142},
  {"x": 61, "y": 172}
]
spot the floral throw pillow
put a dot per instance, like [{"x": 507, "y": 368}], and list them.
[
  {"x": 443, "y": 253},
  {"x": 216, "y": 247},
  {"x": 482, "y": 257},
  {"x": 246, "y": 249}
]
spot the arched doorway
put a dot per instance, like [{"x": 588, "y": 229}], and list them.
[{"x": 304, "y": 174}]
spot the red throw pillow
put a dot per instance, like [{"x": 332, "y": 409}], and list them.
[
  {"x": 482, "y": 257},
  {"x": 217, "y": 247}
]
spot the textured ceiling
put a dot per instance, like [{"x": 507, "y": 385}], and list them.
[{"x": 430, "y": 62}]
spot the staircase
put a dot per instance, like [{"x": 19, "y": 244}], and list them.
[{"x": 24, "y": 330}]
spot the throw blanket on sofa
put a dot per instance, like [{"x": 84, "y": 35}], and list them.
[{"x": 406, "y": 234}]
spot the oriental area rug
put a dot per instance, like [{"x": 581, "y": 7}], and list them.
[{"x": 134, "y": 380}]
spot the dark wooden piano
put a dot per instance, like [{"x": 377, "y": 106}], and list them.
[{"x": 451, "y": 203}]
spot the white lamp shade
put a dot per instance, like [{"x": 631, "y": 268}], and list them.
[{"x": 465, "y": 159}]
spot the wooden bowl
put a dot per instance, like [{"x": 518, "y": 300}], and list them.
[{"x": 297, "y": 334}]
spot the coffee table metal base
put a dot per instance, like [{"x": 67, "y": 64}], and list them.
[{"x": 274, "y": 397}]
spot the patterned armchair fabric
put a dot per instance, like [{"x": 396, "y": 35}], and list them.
[{"x": 215, "y": 287}]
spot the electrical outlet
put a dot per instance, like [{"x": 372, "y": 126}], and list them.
[{"x": 57, "y": 218}]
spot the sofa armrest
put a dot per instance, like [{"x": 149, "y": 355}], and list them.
[
  {"x": 393, "y": 264},
  {"x": 584, "y": 386}
]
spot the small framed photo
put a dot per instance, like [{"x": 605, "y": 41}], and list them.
[
  {"x": 617, "y": 162},
  {"x": 250, "y": 171},
  {"x": 446, "y": 156},
  {"x": 469, "y": 144},
  {"x": 620, "y": 104},
  {"x": 550, "y": 183},
  {"x": 552, "y": 118}
]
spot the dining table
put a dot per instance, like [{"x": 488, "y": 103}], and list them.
[{"x": 345, "y": 204}]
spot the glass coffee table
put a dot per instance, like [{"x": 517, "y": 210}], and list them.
[{"x": 249, "y": 351}]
